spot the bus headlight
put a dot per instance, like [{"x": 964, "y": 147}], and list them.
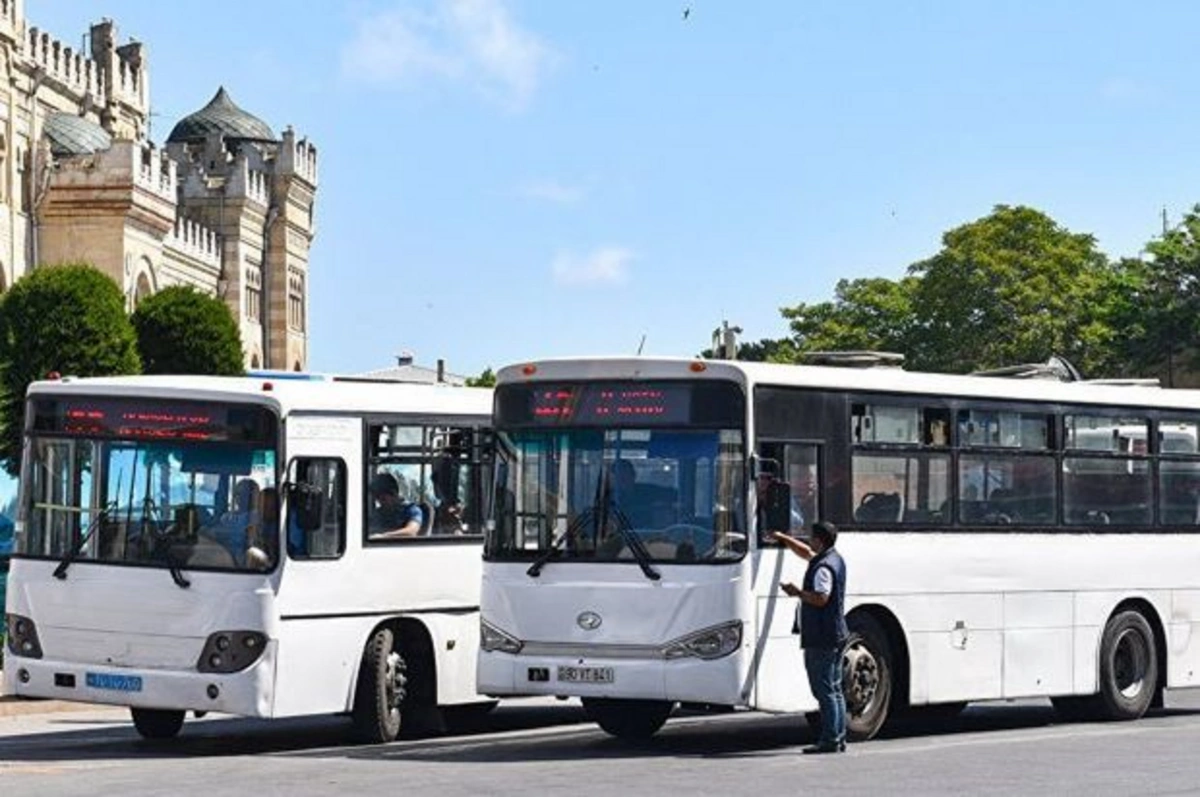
[
  {"x": 22, "y": 636},
  {"x": 710, "y": 643},
  {"x": 493, "y": 639},
  {"x": 231, "y": 651}
]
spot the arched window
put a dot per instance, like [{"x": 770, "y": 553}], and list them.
[
  {"x": 254, "y": 363},
  {"x": 297, "y": 367},
  {"x": 143, "y": 288}
]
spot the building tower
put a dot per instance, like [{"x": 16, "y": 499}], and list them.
[{"x": 257, "y": 192}]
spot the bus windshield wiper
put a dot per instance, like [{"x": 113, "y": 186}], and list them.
[
  {"x": 555, "y": 547},
  {"x": 163, "y": 542},
  {"x": 636, "y": 546},
  {"x": 72, "y": 554}
]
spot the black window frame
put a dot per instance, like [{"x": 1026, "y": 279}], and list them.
[{"x": 480, "y": 461}]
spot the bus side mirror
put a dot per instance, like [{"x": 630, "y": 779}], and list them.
[
  {"x": 778, "y": 510},
  {"x": 306, "y": 505}
]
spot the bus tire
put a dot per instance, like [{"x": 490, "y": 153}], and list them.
[
  {"x": 157, "y": 724},
  {"x": 382, "y": 677},
  {"x": 630, "y": 720},
  {"x": 1128, "y": 667},
  {"x": 866, "y": 677}
]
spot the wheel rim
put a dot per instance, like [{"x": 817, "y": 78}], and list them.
[
  {"x": 393, "y": 683},
  {"x": 1131, "y": 659},
  {"x": 860, "y": 676}
]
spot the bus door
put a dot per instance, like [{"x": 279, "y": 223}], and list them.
[
  {"x": 319, "y": 645},
  {"x": 780, "y": 684}
]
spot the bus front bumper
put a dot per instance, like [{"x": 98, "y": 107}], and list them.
[
  {"x": 247, "y": 693},
  {"x": 716, "y": 682}
]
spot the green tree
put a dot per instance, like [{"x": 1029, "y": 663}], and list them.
[
  {"x": 1161, "y": 319},
  {"x": 865, "y": 314},
  {"x": 1011, "y": 287},
  {"x": 485, "y": 379},
  {"x": 70, "y": 319},
  {"x": 183, "y": 331}
]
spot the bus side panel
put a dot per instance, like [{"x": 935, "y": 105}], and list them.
[
  {"x": 962, "y": 640},
  {"x": 1038, "y": 643},
  {"x": 1183, "y": 660},
  {"x": 455, "y": 640},
  {"x": 318, "y": 664}
]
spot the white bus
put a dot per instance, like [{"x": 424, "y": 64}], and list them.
[
  {"x": 1004, "y": 538},
  {"x": 214, "y": 544}
]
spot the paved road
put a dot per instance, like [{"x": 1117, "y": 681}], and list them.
[{"x": 544, "y": 747}]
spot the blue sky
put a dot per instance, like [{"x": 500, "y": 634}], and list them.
[{"x": 506, "y": 179}]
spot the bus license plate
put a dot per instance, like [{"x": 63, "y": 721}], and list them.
[
  {"x": 586, "y": 675},
  {"x": 117, "y": 683}
]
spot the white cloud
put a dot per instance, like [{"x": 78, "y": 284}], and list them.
[
  {"x": 475, "y": 42},
  {"x": 551, "y": 190},
  {"x": 607, "y": 265}
]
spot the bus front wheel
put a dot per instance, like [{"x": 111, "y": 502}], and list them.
[
  {"x": 382, "y": 678},
  {"x": 632, "y": 720},
  {"x": 1128, "y": 667},
  {"x": 157, "y": 724},
  {"x": 866, "y": 677}
]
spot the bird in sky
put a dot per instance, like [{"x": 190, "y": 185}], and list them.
[{"x": 687, "y": 12}]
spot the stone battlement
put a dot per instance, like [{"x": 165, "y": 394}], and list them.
[
  {"x": 247, "y": 182},
  {"x": 298, "y": 157},
  {"x": 195, "y": 241},
  {"x": 124, "y": 163},
  {"x": 64, "y": 64}
]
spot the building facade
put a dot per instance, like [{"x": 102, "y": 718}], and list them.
[{"x": 225, "y": 206}]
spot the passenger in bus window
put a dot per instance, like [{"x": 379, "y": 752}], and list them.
[
  {"x": 239, "y": 526},
  {"x": 392, "y": 517}
]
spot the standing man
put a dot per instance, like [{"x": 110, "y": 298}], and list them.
[{"x": 823, "y": 628}]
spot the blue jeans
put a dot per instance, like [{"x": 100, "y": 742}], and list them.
[{"x": 824, "y": 666}]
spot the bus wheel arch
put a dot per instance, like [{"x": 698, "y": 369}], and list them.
[{"x": 875, "y": 670}]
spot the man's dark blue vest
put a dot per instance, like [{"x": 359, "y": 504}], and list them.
[{"x": 825, "y": 627}]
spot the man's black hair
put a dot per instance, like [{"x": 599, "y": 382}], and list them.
[{"x": 826, "y": 532}]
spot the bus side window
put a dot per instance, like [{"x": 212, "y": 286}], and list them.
[{"x": 316, "y": 509}]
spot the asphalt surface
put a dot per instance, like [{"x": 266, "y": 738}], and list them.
[{"x": 546, "y": 747}]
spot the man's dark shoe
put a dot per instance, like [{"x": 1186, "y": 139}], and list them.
[{"x": 824, "y": 748}]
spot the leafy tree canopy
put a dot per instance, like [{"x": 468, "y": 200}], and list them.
[
  {"x": 70, "y": 319},
  {"x": 183, "y": 331},
  {"x": 485, "y": 379}
]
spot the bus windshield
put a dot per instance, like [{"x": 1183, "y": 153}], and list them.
[
  {"x": 155, "y": 484},
  {"x": 580, "y": 494}
]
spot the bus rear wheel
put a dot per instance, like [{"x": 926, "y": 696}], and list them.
[
  {"x": 631, "y": 720},
  {"x": 382, "y": 679},
  {"x": 156, "y": 723},
  {"x": 1128, "y": 667},
  {"x": 866, "y": 677}
]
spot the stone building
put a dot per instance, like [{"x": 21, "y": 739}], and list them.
[{"x": 225, "y": 206}]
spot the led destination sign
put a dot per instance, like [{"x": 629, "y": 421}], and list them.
[
  {"x": 621, "y": 404},
  {"x": 593, "y": 404},
  {"x": 152, "y": 420}
]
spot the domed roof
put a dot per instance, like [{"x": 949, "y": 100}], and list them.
[
  {"x": 222, "y": 116},
  {"x": 70, "y": 135}
]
